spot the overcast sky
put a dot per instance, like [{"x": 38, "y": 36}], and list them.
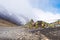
[{"x": 46, "y": 10}]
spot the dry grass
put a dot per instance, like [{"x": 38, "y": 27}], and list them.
[{"x": 6, "y": 23}]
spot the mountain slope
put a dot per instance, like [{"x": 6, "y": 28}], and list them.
[{"x": 6, "y": 23}]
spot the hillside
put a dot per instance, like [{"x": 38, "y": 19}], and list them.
[{"x": 6, "y": 23}]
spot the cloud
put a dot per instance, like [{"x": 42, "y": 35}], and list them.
[
  {"x": 18, "y": 7},
  {"x": 46, "y": 5},
  {"x": 45, "y": 16},
  {"x": 42, "y": 11}
]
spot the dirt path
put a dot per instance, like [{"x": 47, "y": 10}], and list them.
[{"x": 16, "y": 33}]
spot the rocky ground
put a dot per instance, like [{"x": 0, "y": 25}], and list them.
[
  {"x": 22, "y": 33},
  {"x": 16, "y": 33}
]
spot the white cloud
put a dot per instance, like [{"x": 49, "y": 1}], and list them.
[
  {"x": 23, "y": 7},
  {"x": 45, "y": 16},
  {"x": 17, "y": 7},
  {"x": 44, "y": 10}
]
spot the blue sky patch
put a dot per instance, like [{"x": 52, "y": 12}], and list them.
[{"x": 47, "y": 5}]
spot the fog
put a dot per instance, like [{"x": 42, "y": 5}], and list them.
[
  {"x": 16, "y": 11},
  {"x": 21, "y": 11},
  {"x": 12, "y": 17}
]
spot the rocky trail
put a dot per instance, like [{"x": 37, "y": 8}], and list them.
[{"x": 21, "y": 33}]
